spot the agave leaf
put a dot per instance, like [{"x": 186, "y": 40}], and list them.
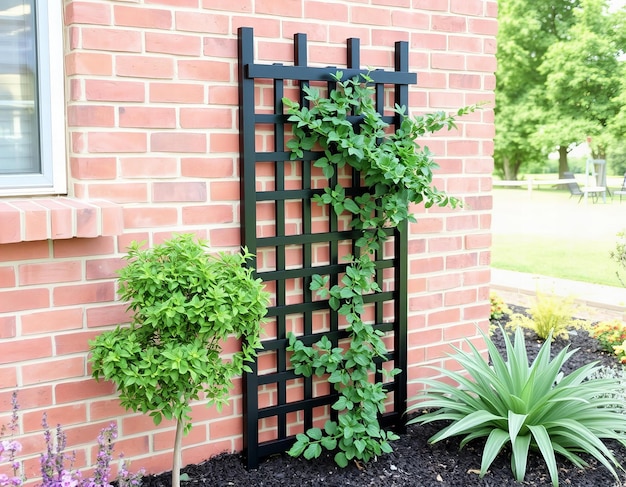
[
  {"x": 519, "y": 456},
  {"x": 586, "y": 440},
  {"x": 469, "y": 422},
  {"x": 542, "y": 438},
  {"x": 479, "y": 433},
  {"x": 495, "y": 441},
  {"x": 516, "y": 421},
  {"x": 570, "y": 455},
  {"x": 517, "y": 362}
]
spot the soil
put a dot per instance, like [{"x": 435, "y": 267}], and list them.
[{"x": 414, "y": 462}]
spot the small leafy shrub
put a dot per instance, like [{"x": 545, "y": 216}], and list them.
[
  {"x": 498, "y": 308},
  {"x": 611, "y": 336},
  {"x": 550, "y": 316},
  {"x": 527, "y": 407},
  {"x": 185, "y": 304}
]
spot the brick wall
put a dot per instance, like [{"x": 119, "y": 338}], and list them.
[{"x": 151, "y": 96}]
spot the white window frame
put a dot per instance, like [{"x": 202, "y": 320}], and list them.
[{"x": 52, "y": 134}]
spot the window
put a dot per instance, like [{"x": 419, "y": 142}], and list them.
[{"x": 32, "y": 123}]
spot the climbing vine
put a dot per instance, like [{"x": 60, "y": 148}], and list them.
[{"x": 396, "y": 172}]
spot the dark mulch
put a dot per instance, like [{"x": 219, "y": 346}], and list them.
[{"x": 413, "y": 462}]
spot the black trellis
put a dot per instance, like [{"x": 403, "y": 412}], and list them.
[{"x": 272, "y": 416}]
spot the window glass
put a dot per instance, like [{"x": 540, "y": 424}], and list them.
[{"x": 19, "y": 117}]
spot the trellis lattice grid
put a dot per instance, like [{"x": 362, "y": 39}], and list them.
[{"x": 293, "y": 238}]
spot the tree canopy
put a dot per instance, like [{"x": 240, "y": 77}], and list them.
[{"x": 560, "y": 80}]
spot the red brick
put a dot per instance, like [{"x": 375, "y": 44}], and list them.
[
  {"x": 149, "y": 217},
  {"x": 224, "y": 191},
  {"x": 332, "y": 11},
  {"x": 147, "y": 117},
  {"x": 34, "y": 219},
  {"x": 105, "y": 90},
  {"x": 176, "y": 93},
  {"x": 93, "y": 167},
  {"x": 117, "y": 142},
  {"x": 149, "y": 167},
  {"x": 103, "y": 268},
  {"x": 163, "y": 440},
  {"x": 209, "y": 23},
  {"x": 52, "y": 370},
  {"x": 23, "y": 299},
  {"x": 54, "y": 320},
  {"x": 90, "y": 116},
  {"x": 25, "y": 349},
  {"x": 180, "y": 191},
  {"x": 28, "y": 397},
  {"x": 11, "y": 224},
  {"x": 106, "y": 408},
  {"x": 111, "y": 39},
  {"x": 142, "y": 17},
  {"x": 88, "y": 63},
  {"x": 206, "y": 118},
  {"x": 219, "y": 47},
  {"x": 87, "y": 13},
  {"x": 81, "y": 390},
  {"x": 370, "y": 15},
  {"x": 207, "y": 214},
  {"x": 114, "y": 314},
  {"x": 7, "y": 326},
  {"x": 82, "y": 247},
  {"x": 224, "y": 142},
  {"x": 8, "y": 375},
  {"x": 120, "y": 193},
  {"x": 144, "y": 67},
  {"x": 204, "y": 70},
  {"x": 487, "y": 27},
  {"x": 207, "y": 168},
  {"x": 225, "y": 237},
  {"x": 284, "y": 8},
  {"x": 63, "y": 415},
  {"x": 183, "y": 45},
  {"x": 241, "y": 6},
  {"x": 23, "y": 251},
  {"x": 83, "y": 294},
  {"x": 178, "y": 142},
  {"x": 69, "y": 343},
  {"x": 7, "y": 278},
  {"x": 49, "y": 272},
  {"x": 223, "y": 95}
]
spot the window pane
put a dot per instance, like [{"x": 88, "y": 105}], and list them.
[{"x": 19, "y": 128}]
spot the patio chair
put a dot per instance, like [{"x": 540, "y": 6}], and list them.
[
  {"x": 576, "y": 190},
  {"x": 622, "y": 191},
  {"x": 574, "y": 187}
]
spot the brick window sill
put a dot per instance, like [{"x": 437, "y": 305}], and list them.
[{"x": 24, "y": 220}]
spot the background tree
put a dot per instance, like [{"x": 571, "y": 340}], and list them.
[
  {"x": 559, "y": 80},
  {"x": 527, "y": 29},
  {"x": 583, "y": 82}
]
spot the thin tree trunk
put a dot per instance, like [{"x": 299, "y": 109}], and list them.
[
  {"x": 563, "y": 165},
  {"x": 178, "y": 443}
]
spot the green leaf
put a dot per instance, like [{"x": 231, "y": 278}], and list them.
[{"x": 341, "y": 460}]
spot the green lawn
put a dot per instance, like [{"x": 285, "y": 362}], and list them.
[
  {"x": 552, "y": 256},
  {"x": 551, "y": 234}
]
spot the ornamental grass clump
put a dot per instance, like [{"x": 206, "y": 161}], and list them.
[
  {"x": 526, "y": 407},
  {"x": 549, "y": 316}
]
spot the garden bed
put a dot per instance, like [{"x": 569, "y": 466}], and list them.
[{"x": 413, "y": 462}]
